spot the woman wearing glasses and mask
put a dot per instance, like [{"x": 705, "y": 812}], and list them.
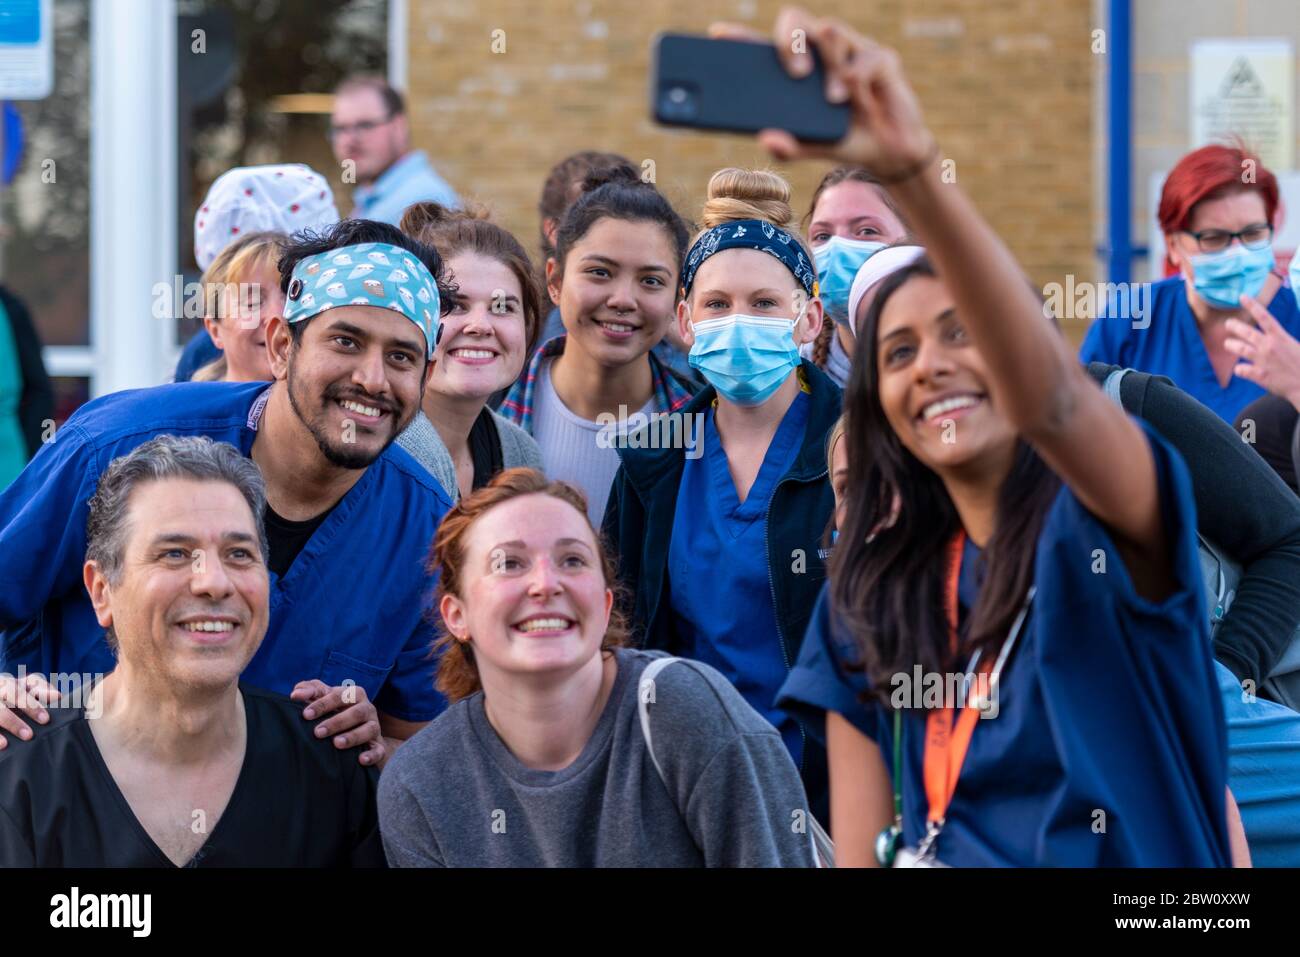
[{"x": 1217, "y": 210}]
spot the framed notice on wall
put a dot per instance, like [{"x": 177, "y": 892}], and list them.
[
  {"x": 1245, "y": 89},
  {"x": 26, "y": 49}
]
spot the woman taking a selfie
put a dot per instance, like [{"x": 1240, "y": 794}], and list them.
[
  {"x": 1045, "y": 545},
  {"x": 559, "y": 749}
]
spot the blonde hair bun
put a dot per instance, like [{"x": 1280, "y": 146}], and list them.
[{"x": 747, "y": 194}]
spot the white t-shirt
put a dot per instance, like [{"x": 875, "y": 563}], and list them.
[{"x": 573, "y": 448}]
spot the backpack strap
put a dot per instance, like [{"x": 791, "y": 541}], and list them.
[
  {"x": 822, "y": 846},
  {"x": 645, "y": 693}
]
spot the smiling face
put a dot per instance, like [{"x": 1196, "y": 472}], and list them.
[
  {"x": 932, "y": 383},
  {"x": 484, "y": 338},
  {"x": 749, "y": 282},
  {"x": 242, "y": 335},
  {"x": 854, "y": 210},
  {"x": 618, "y": 289},
  {"x": 534, "y": 602},
  {"x": 190, "y": 606},
  {"x": 355, "y": 379}
]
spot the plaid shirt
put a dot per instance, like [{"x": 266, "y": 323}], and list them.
[{"x": 670, "y": 394}]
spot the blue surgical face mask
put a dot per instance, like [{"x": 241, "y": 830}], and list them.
[
  {"x": 1223, "y": 278},
  {"x": 838, "y": 261},
  {"x": 746, "y": 358}
]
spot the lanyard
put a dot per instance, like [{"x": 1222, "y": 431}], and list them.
[{"x": 947, "y": 738}]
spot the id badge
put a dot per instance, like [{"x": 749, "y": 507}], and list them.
[{"x": 907, "y": 857}]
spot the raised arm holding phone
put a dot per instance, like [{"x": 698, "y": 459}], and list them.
[{"x": 1015, "y": 472}]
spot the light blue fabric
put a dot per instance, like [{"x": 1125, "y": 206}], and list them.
[
  {"x": 746, "y": 358},
  {"x": 366, "y": 274},
  {"x": 1263, "y": 772},
  {"x": 1223, "y": 278},
  {"x": 838, "y": 262},
  {"x": 410, "y": 180}
]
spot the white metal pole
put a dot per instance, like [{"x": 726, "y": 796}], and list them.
[
  {"x": 133, "y": 190},
  {"x": 399, "y": 24}
]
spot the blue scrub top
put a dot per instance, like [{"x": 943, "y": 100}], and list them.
[
  {"x": 350, "y": 607},
  {"x": 1171, "y": 345},
  {"x": 1108, "y": 702},
  {"x": 1263, "y": 772},
  {"x": 722, "y": 601}
]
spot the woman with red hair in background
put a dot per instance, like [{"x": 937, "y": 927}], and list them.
[{"x": 1218, "y": 209}]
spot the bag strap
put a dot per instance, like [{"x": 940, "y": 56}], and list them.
[
  {"x": 644, "y": 695},
  {"x": 822, "y": 845}
]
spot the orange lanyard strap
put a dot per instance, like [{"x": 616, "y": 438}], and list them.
[{"x": 946, "y": 740}]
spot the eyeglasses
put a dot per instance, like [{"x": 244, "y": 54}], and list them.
[
  {"x": 1255, "y": 236},
  {"x": 363, "y": 127}
]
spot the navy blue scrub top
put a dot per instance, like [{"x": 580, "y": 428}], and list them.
[
  {"x": 722, "y": 601},
  {"x": 1171, "y": 344},
  {"x": 350, "y": 608},
  {"x": 1109, "y": 713}
]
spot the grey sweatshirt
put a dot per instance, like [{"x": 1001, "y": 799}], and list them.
[
  {"x": 425, "y": 445},
  {"x": 455, "y": 796}
]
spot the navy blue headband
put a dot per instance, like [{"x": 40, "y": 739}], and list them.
[{"x": 751, "y": 234}]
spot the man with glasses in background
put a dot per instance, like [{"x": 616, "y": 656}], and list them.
[{"x": 369, "y": 129}]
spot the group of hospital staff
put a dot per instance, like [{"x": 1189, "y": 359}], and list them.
[{"x": 477, "y": 584}]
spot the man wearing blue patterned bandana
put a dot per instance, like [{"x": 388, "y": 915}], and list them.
[{"x": 349, "y": 514}]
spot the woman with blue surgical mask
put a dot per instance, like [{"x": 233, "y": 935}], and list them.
[
  {"x": 1217, "y": 210},
  {"x": 720, "y": 516},
  {"x": 850, "y": 218}
]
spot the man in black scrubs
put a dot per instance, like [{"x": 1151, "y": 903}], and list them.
[{"x": 170, "y": 760}]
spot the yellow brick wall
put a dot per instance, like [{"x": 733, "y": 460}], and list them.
[{"x": 1007, "y": 86}]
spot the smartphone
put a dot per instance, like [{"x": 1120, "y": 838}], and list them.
[{"x": 736, "y": 86}]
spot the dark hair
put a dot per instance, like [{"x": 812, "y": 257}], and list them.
[
  {"x": 393, "y": 102},
  {"x": 564, "y": 184},
  {"x": 887, "y": 578},
  {"x": 457, "y": 673},
  {"x": 350, "y": 232},
  {"x": 454, "y": 231},
  {"x": 617, "y": 192}
]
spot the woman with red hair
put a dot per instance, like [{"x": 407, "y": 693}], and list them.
[{"x": 1218, "y": 209}]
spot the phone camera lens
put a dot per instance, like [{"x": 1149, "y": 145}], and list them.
[{"x": 677, "y": 102}]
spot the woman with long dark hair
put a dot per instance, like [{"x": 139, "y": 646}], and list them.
[{"x": 1031, "y": 620}]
